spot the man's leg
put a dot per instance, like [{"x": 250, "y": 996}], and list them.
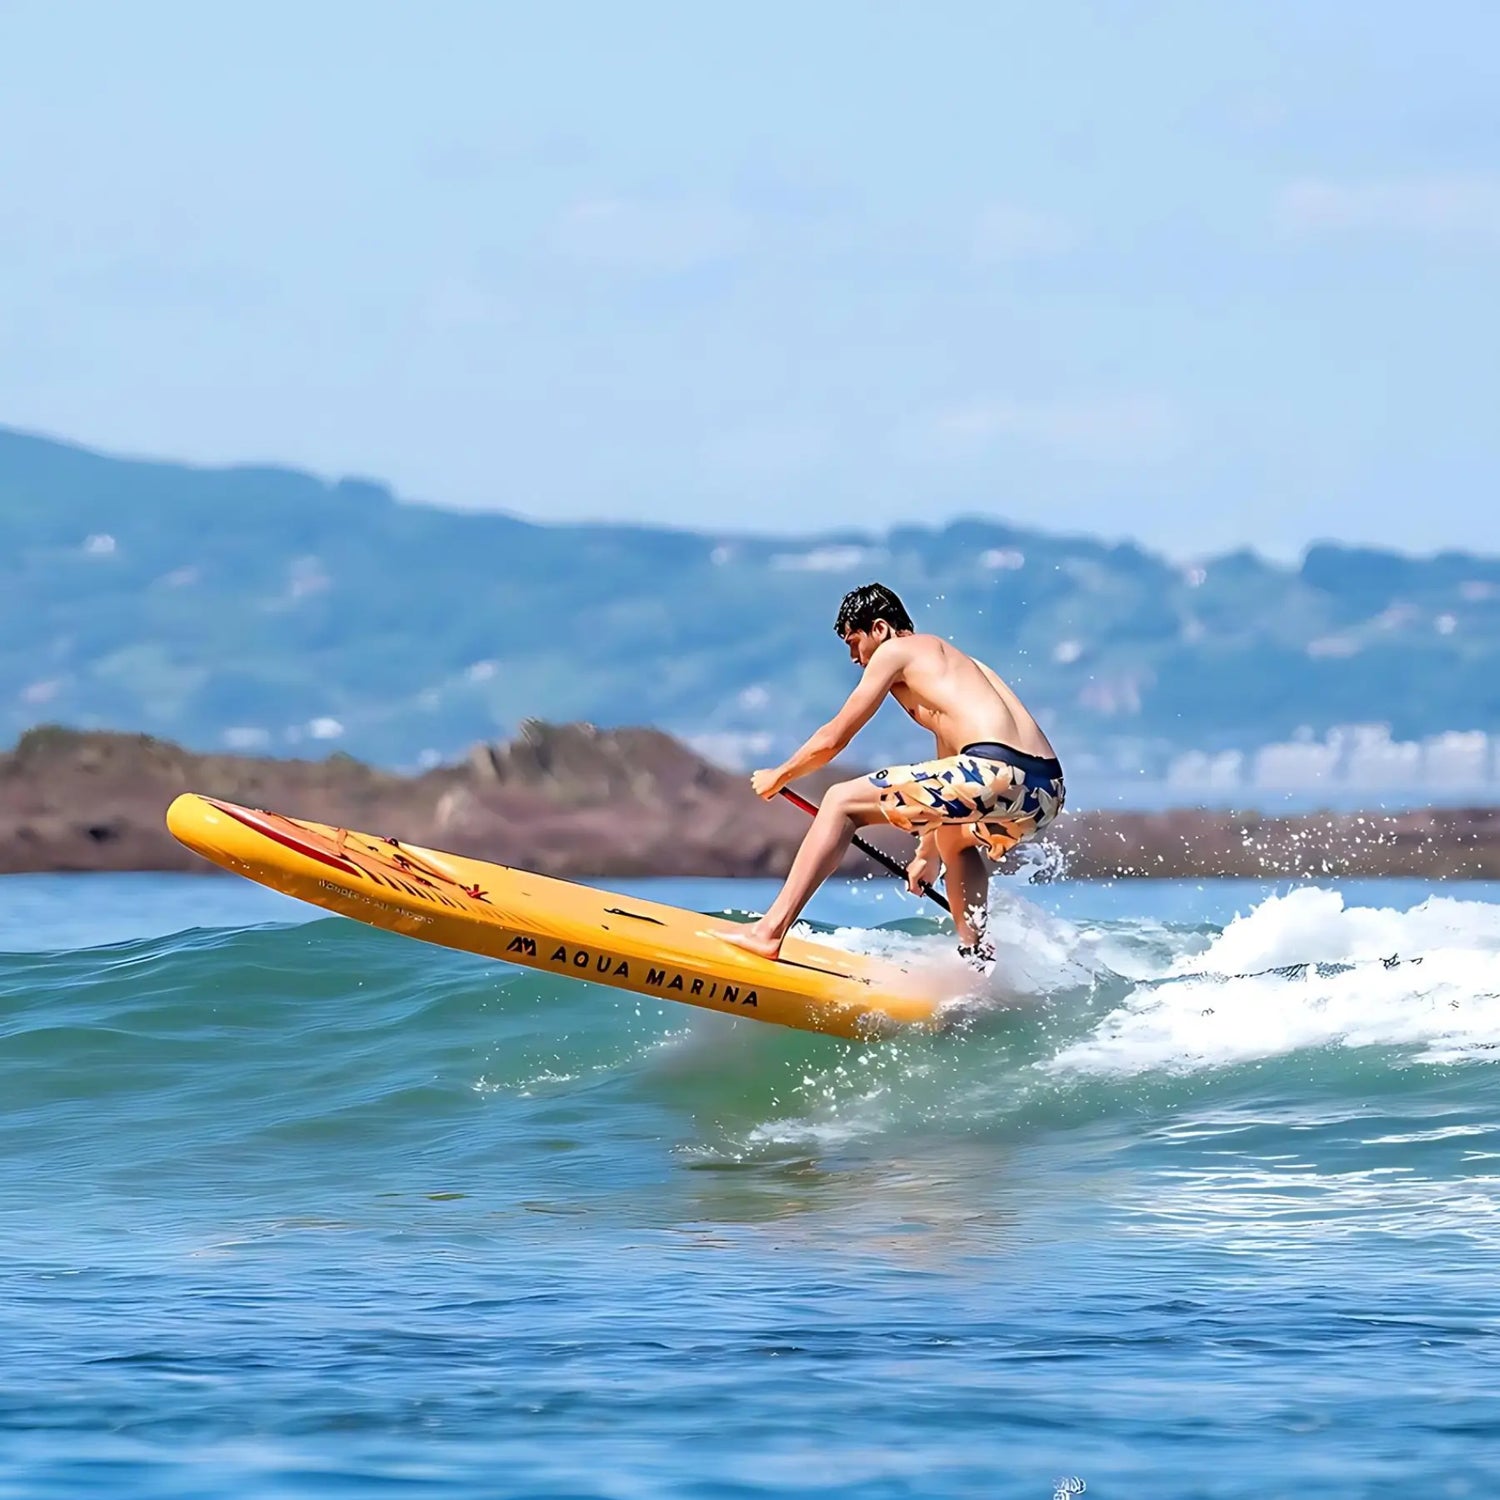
[
  {"x": 847, "y": 806},
  {"x": 967, "y": 881}
]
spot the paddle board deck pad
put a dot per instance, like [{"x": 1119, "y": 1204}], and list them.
[{"x": 554, "y": 925}]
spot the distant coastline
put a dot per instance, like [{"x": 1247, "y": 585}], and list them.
[
  {"x": 266, "y": 611},
  {"x": 573, "y": 801}
]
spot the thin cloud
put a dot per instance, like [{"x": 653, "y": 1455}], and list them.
[
  {"x": 662, "y": 237},
  {"x": 461, "y": 302},
  {"x": 1011, "y": 231},
  {"x": 774, "y": 452},
  {"x": 1113, "y": 427},
  {"x": 1455, "y": 206}
]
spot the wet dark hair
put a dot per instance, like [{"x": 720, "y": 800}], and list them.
[{"x": 861, "y": 608}]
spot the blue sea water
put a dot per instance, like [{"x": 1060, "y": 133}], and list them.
[{"x": 289, "y": 1206}]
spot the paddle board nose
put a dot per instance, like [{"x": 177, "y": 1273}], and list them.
[{"x": 190, "y": 820}]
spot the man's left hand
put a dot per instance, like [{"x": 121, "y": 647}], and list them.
[{"x": 767, "y": 783}]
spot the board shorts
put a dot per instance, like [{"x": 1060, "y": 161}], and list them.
[{"x": 1006, "y": 795}]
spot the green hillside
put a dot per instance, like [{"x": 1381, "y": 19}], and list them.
[{"x": 265, "y": 608}]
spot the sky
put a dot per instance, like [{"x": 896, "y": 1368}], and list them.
[{"x": 1205, "y": 275}]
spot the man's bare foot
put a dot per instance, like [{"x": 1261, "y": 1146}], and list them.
[{"x": 751, "y": 939}]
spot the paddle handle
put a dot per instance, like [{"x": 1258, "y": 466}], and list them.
[{"x": 866, "y": 847}]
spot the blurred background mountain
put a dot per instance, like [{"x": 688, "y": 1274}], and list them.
[{"x": 267, "y": 611}]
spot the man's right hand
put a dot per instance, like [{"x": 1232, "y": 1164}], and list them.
[
  {"x": 769, "y": 782},
  {"x": 925, "y": 867}
]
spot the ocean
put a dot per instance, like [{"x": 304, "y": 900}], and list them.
[{"x": 1204, "y": 1201}]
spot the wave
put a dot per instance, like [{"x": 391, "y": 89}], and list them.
[
  {"x": 1304, "y": 972},
  {"x": 275, "y": 1038}
]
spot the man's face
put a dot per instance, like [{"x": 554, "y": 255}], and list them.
[{"x": 862, "y": 644}]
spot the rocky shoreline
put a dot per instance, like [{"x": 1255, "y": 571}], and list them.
[{"x": 571, "y": 800}]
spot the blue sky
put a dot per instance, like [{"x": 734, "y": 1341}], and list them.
[{"x": 1203, "y": 274}]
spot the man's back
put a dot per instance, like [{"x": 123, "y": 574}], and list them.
[
  {"x": 961, "y": 700},
  {"x": 995, "y": 783}
]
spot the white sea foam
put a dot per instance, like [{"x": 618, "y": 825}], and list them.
[
  {"x": 1126, "y": 998},
  {"x": 1312, "y": 925},
  {"x": 1222, "y": 1006},
  {"x": 1036, "y": 953}
]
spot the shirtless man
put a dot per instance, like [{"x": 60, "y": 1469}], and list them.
[{"x": 994, "y": 782}]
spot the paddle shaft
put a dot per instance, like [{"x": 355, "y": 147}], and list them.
[{"x": 865, "y": 847}]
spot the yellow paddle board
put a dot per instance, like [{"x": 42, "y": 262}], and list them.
[{"x": 553, "y": 925}]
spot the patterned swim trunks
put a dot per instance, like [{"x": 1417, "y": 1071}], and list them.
[{"x": 1008, "y": 796}]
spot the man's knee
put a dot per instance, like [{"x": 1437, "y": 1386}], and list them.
[
  {"x": 857, "y": 800},
  {"x": 954, "y": 838}
]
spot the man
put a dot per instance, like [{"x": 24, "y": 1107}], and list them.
[{"x": 995, "y": 781}]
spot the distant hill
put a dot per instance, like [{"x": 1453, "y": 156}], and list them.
[
  {"x": 79, "y": 800},
  {"x": 266, "y": 610}
]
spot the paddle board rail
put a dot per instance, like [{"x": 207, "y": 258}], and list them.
[{"x": 557, "y": 926}]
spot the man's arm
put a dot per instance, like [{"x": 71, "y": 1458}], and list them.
[{"x": 825, "y": 743}]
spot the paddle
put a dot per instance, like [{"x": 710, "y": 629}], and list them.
[{"x": 865, "y": 847}]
